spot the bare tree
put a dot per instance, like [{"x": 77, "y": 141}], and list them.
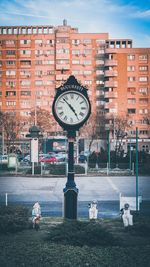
[
  {"x": 120, "y": 129},
  {"x": 12, "y": 126},
  {"x": 89, "y": 130},
  {"x": 45, "y": 120}
]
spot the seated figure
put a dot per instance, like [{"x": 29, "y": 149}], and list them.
[
  {"x": 36, "y": 215},
  {"x": 127, "y": 216},
  {"x": 93, "y": 211}
]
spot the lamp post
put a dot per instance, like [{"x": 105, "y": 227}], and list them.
[
  {"x": 130, "y": 156},
  {"x": 34, "y": 134},
  {"x": 136, "y": 170},
  {"x": 108, "y": 150}
]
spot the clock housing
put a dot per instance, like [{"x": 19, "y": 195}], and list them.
[{"x": 71, "y": 106}]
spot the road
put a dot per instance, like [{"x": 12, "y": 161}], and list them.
[{"x": 105, "y": 190}]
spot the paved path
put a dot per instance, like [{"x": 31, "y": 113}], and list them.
[{"x": 49, "y": 192}]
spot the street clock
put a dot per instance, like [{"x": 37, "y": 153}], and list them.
[{"x": 71, "y": 107}]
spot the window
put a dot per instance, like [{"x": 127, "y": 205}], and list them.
[
  {"x": 48, "y": 62},
  {"x": 10, "y": 93},
  {"x": 131, "y": 57},
  {"x": 87, "y": 72},
  {"x": 25, "y": 93},
  {"x": 25, "y": 83},
  {"x": 131, "y": 100},
  {"x": 62, "y": 51},
  {"x": 143, "y": 79},
  {"x": 131, "y": 68},
  {"x": 10, "y": 103},
  {"x": 88, "y": 82},
  {"x": 87, "y": 62},
  {"x": 25, "y": 62},
  {"x": 100, "y": 51},
  {"x": 98, "y": 41},
  {"x": 143, "y": 100},
  {"x": 25, "y": 41},
  {"x": 25, "y": 103},
  {"x": 131, "y": 79},
  {"x": 39, "y": 82},
  {"x": 25, "y": 52},
  {"x": 87, "y": 41},
  {"x": 10, "y": 72},
  {"x": 50, "y": 42},
  {"x": 99, "y": 72},
  {"x": 10, "y": 62},
  {"x": 25, "y": 73},
  {"x": 142, "y": 57},
  {"x": 10, "y": 52},
  {"x": 143, "y": 111},
  {"x": 39, "y": 42},
  {"x": 50, "y": 52},
  {"x": 75, "y": 62},
  {"x": 143, "y": 132},
  {"x": 76, "y": 52},
  {"x": 38, "y": 62},
  {"x": 131, "y": 111},
  {"x": 62, "y": 61},
  {"x": 11, "y": 83},
  {"x": 99, "y": 62},
  {"x": 76, "y": 72},
  {"x": 25, "y": 113},
  {"x": 10, "y": 42},
  {"x": 143, "y": 90},
  {"x": 143, "y": 68},
  {"x": 76, "y": 42}
]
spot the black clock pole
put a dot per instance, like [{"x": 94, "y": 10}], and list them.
[{"x": 70, "y": 191}]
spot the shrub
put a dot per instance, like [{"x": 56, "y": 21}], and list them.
[
  {"x": 81, "y": 234},
  {"x": 56, "y": 169},
  {"x": 13, "y": 219}
]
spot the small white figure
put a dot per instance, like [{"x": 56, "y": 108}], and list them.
[
  {"x": 36, "y": 215},
  {"x": 127, "y": 216},
  {"x": 93, "y": 211}
]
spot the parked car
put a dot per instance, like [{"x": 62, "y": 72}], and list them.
[
  {"x": 61, "y": 157},
  {"x": 48, "y": 159},
  {"x": 3, "y": 159},
  {"x": 82, "y": 158}
]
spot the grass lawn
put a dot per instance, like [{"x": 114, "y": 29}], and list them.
[{"x": 78, "y": 245}]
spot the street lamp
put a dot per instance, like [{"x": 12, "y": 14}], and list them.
[{"x": 136, "y": 169}]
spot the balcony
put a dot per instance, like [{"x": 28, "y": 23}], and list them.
[
  {"x": 111, "y": 84},
  {"x": 111, "y": 105},
  {"x": 61, "y": 77},
  {"x": 110, "y": 73},
  {"x": 110, "y": 62},
  {"x": 62, "y": 56},
  {"x": 110, "y": 50},
  {"x": 111, "y": 94},
  {"x": 61, "y": 66}
]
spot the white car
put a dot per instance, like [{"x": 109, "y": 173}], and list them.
[{"x": 3, "y": 159}]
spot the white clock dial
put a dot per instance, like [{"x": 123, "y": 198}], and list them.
[{"x": 72, "y": 107}]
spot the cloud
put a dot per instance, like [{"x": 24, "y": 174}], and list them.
[
  {"x": 143, "y": 14},
  {"x": 119, "y": 18}
]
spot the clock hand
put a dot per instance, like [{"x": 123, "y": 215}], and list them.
[{"x": 71, "y": 108}]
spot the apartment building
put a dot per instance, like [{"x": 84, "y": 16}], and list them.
[{"x": 34, "y": 60}]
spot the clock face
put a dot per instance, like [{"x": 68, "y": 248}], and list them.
[{"x": 72, "y": 108}]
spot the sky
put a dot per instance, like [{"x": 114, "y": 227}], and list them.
[{"x": 120, "y": 18}]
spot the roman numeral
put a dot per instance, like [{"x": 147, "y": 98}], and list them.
[
  {"x": 81, "y": 114},
  {"x": 66, "y": 97},
  {"x": 72, "y": 96},
  {"x": 61, "y": 113},
  {"x": 65, "y": 118}
]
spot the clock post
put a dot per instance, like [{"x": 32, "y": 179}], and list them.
[
  {"x": 70, "y": 191},
  {"x": 71, "y": 109}
]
